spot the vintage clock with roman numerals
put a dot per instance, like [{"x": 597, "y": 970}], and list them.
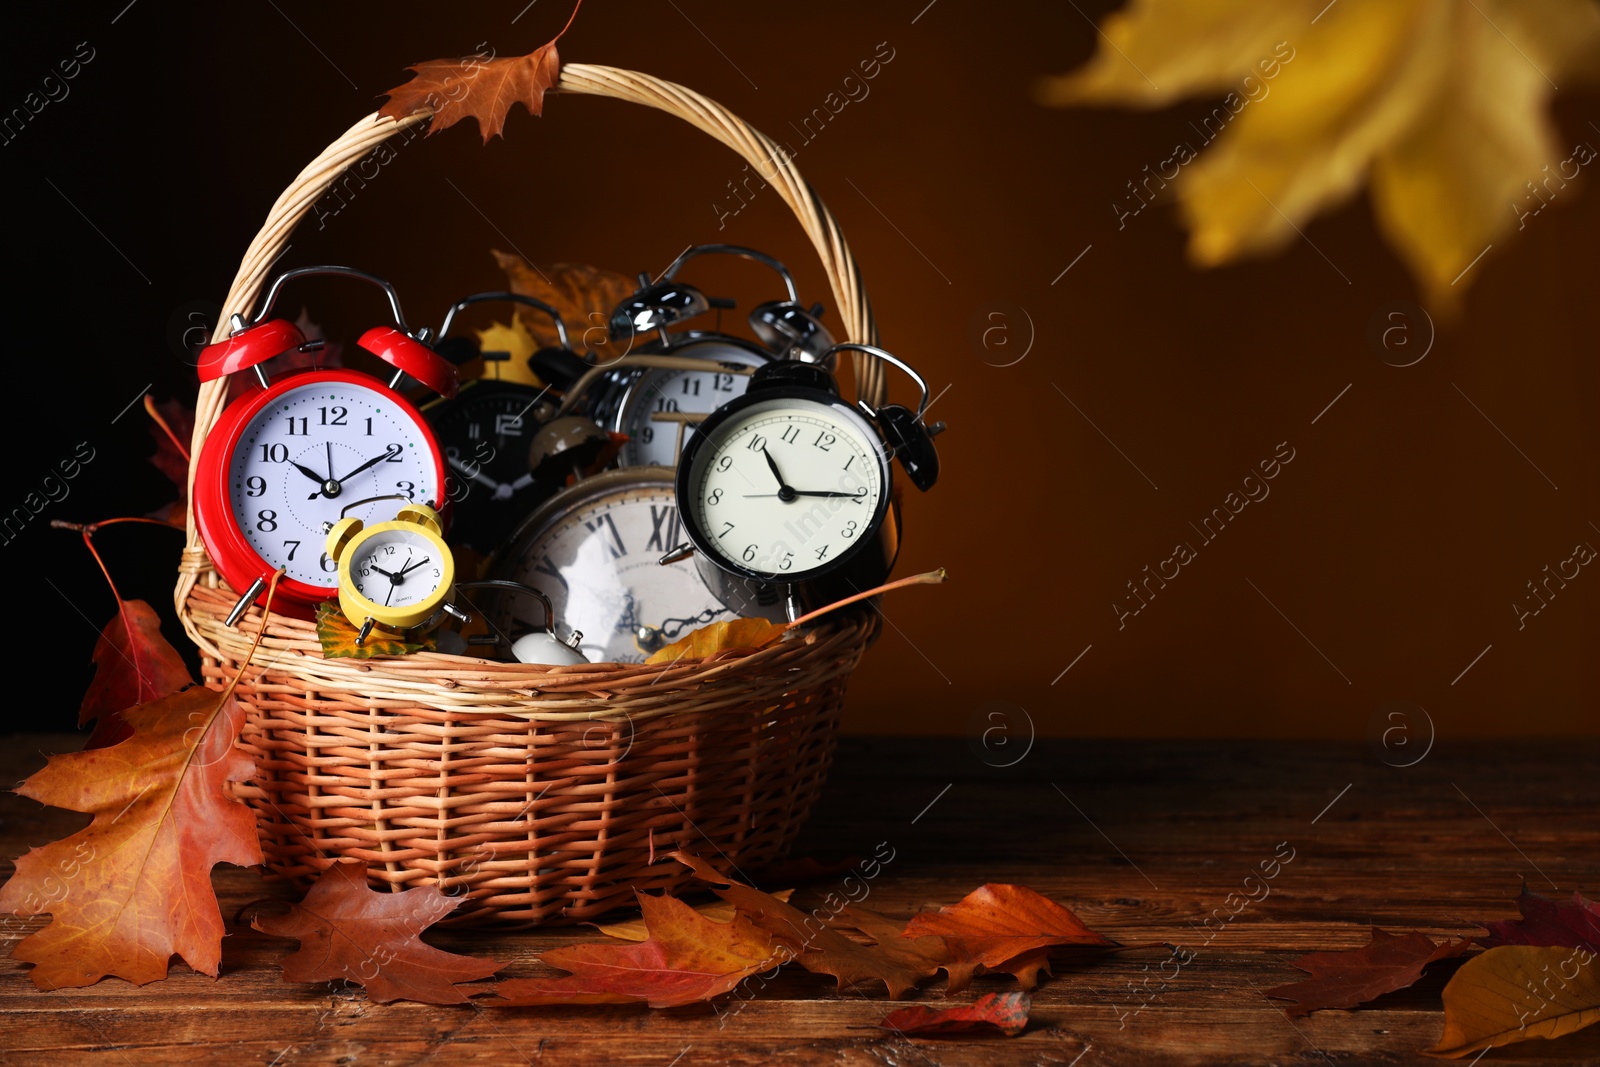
[{"x": 594, "y": 550}]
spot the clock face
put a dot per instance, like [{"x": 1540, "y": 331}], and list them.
[
  {"x": 310, "y": 451},
  {"x": 397, "y": 568},
  {"x": 653, "y": 413},
  {"x": 485, "y": 433},
  {"x": 594, "y": 552},
  {"x": 784, "y": 488}
]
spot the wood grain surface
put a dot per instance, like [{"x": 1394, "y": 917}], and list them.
[{"x": 1145, "y": 840}]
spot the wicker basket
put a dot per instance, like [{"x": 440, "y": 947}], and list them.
[{"x": 537, "y": 794}]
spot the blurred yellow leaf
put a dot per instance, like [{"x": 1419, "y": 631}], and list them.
[
  {"x": 1516, "y": 992},
  {"x": 717, "y": 910},
  {"x": 583, "y": 295},
  {"x": 719, "y": 637},
  {"x": 338, "y": 638},
  {"x": 517, "y": 342},
  {"x": 1437, "y": 105}
]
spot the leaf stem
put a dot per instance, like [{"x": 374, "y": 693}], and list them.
[
  {"x": 933, "y": 577},
  {"x": 150, "y": 409}
]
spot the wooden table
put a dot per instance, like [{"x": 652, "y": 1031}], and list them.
[{"x": 1142, "y": 839}]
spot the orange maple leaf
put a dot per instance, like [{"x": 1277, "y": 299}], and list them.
[
  {"x": 687, "y": 957},
  {"x": 134, "y": 664},
  {"x": 134, "y": 886},
  {"x": 1005, "y": 927},
  {"x": 349, "y": 930},
  {"x": 485, "y": 89}
]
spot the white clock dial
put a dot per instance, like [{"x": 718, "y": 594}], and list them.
[
  {"x": 784, "y": 487},
  {"x": 397, "y": 568},
  {"x": 652, "y": 413},
  {"x": 311, "y": 452},
  {"x": 598, "y": 563}
]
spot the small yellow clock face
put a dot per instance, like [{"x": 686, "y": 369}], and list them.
[{"x": 396, "y": 573}]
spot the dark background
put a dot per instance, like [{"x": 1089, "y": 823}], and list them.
[{"x": 1385, "y": 559}]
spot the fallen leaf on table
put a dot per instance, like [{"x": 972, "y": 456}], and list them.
[
  {"x": 1439, "y": 107},
  {"x": 582, "y": 294},
  {"x": 338, "y": 638},
  {"x": 716, "y": 910},
  {"x": 1546, "y": 922},
  {"x": 1517, "y": 992},
  {"x": 938, "y": 952},
  {"x": 1006, "y": 1012},
  {"x": 687, "y": 957},
  {"x": 1000, "y": 926},
  {"x": 1354, "y": 976},
  {"x": 134, "y": 664},
  {"x": 478, "y": 86},
  {"x": 348, "y": 930},
  {"x": 134, "y": 886},
  {"x": 814, "y": 945},
  {"x": 720, "y": 637}
]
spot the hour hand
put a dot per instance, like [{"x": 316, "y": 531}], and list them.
[
  {"x": 308, "y": 472},
  {"x": 772, "y": 465}
]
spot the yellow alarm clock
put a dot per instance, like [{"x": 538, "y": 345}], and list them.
[{"x": 394, "y": 577}]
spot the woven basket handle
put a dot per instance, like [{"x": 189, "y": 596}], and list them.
[{"x": 758, "y": 149}]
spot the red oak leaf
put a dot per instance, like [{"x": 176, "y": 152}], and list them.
[
  {"x": 1548, "y": 923},
  {"x": 1006, "y": 1012},
  {"x": 134, "y": 665},
  {"x": 1354, "y": 976},
  {"x": 349, "y": 930}
]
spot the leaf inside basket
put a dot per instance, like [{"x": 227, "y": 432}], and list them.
[
  {"x": 720, "y": 637},
  {"x": 338, "y": 638}
]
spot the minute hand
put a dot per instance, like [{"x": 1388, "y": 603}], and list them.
[
  {"x": 804, "y": 492},
  {"x": 387, "y": 453}
]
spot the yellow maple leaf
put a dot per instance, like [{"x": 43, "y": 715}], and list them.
[
  {"x": 517, "y": 341},
  {"x": 1437, "y": 105}
]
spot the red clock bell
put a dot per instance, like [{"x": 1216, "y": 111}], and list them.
[{"x": 289, "y": 454}]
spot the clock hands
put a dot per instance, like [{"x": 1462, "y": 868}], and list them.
[
  {"x": 309, "y": 473},
  {"x": 799, "y": 492},
  {"x": 407, "y": 569},
  {"x": 331, "y": 487},
  {"x": 785, "y": 491}
]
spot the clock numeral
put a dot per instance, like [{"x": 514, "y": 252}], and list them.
[
  {"x": 748, "y": 554},
  {"x": 722, "y": 383},
  {"x": 255, "y": 486},
  {"x": 647, "y": 434},
  {"x": 545, "y": 566},
  {"x": 860, "y": 497},
  {"x": 791, "y": 435},
  {"x": 787, "y": 561},
  {"x": 715, "y": 497},
  {"x": 274, "y": 453},
  {"x": 849, "y": 461},
  {"x": 338, "y": 416},
  {"x": 304, "y": 422},
  {"x": 722, "y": 464},
  {"x": 665, "y": 403},
  {"x": 822, "y": 553},
  {"x": 293, "y": 547},
  {"x": 408, "y": 488},
  {"x": 369, "y": 425},
  {"x": 726, "y": 528},
  {"x": 663, "y": 528},
  {"x": 507, "y": 425},
  {"x": 328, "y": 565},
  {"x": 394, "y": 453},
  {"x": 267, "y": 520},
  {"x": 825, "y": 442},
  {"x": 756, "y": 443},
  {"x": 608, "y": 530},
  {"x": 691, "y": 387},
  {"x": 849, "y": 529},
  {"x": 474, "y": 430}
]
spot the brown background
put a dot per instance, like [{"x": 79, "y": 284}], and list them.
[{"x": 1394, "y": 543}]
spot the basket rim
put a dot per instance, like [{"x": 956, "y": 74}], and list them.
[{"x": 367, "y": 134}]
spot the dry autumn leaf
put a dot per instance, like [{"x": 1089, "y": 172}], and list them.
[
  {"x": 686, "y": 958},
  {"x": 999, "y": 925},
  {"x": 516, "y": 342},
  {"x": 1005, "y": 1012},
  {"x": 584, "y": 297},
  {"x": 1545, "y": 922},
  {"x": 813, "y": 944},
  {"x": 134, "y": 665},
  {"x": 348, "y": 930},
  {"x": 1438, "y": 106},
  {"x": 954, "y": 957},
  {"x": 338, "y": 638},
  {"x": 1518, "y": 992},
  {"x": 134, "y": 887},
  {"x": 480, "y": 86},
  {"x": 715, "y": 910},
  {"x": 1354, "y": 976},
  {"x": 720, "y": 637}
]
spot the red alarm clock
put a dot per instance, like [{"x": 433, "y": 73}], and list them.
[{"x": 288, "y": 456}]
